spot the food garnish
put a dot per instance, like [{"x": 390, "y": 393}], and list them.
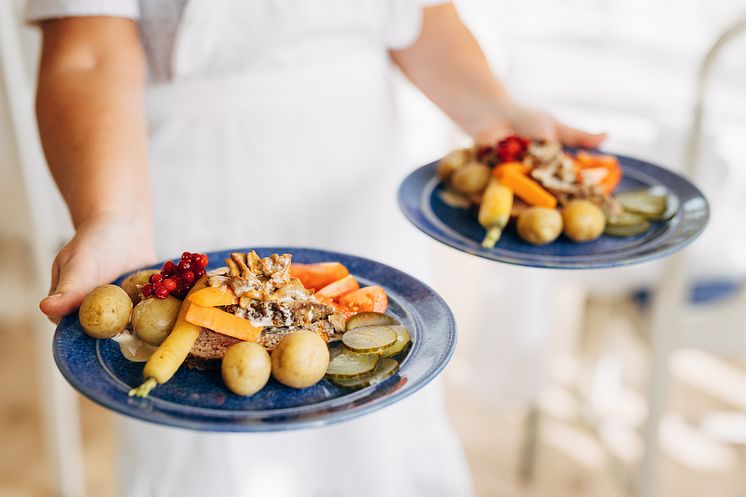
[{"x": 176, "y": 279}]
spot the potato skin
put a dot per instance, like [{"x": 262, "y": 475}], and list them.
[
  {"x": 539, "y": 225},
  {"x": 452, "y": 162},
  {"x": 300, "y": 359},
  {"x": 105, "y": 311},
  {"x": 471, "y": 179},
  {"x": 153, "y": 318},
  {"x": 584, "y": 221},
  {"x": 134, "y": 280},
  {"x": 246, "y": 368}
]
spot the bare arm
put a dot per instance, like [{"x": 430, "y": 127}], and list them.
[
  {"x": 448, "y": 66},
  {"x": 90, "y": 111}
]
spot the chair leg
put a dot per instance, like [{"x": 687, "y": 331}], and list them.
[
  {"x": 529, "y": 448},
  {"x": 61, "y": 419},
  {"x": 667, "y": 301}
]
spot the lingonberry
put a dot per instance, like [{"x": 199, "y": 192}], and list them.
[
  {"x": 161, "y": 292},
  {"x": 156, "y": 278},
  {"x": 184, "y": 266},
  {"x": 169, "y": 284},
  {"x": 147, "y": 290},
  {"x": 188, "y": 276}
]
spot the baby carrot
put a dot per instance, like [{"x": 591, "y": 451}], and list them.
[{"x": 527, "y": 189}]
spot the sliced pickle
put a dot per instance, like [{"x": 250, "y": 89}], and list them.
[
  {"x": 369, "y": 319},
  {"x": 650, "y": 203},
  {"x": 627, "y": 230},
  {"x": 351, "y": 365},
  {"x": 626, "y": 219},
  {"x": 672, "y": 207},
  {"x": 385, "y": 368},
  {"x": 369, "y": 338},
  {"x": 402, "y": 340}
]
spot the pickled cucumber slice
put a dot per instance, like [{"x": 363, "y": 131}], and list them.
[
  {"x": 369, "y": 338},
  {"x": 651, "y": 202},
  {"x": 672, "y": 207},
  {"x": 385, "y": 368},
  {"x": 626, "y": 219},
  {"x": 369, "y": 319},
  {"x": 402, "y": 340},
  {"x": 622, "y": 230},
  {"x": 351, "y": 365}
]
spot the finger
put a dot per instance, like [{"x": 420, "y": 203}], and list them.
[
  {"x": 574, "y": 137},
  {"x": 76, "y": 279},
  {"x": 492, "y": 135},
  {"x": 55, "y": 275}
]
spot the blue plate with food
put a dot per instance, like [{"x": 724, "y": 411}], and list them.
[
  {"x": 533, "y": 203},
  {"x": 256, "y": 340}
]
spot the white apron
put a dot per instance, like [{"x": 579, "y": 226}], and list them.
[{"x": 294, "y": 143}]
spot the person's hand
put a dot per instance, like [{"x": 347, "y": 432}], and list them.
[
  {"x": 508, "y": 117},
  {"x": 99, "y": 252}
]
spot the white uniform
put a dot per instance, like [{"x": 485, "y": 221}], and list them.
[{"x": 277, "y": 126}]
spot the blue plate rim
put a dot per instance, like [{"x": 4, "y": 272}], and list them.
[
  {"x": 423, "y": 180},
  {"x": 337, "y": 407}
]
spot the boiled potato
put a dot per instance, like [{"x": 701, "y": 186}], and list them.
[
  {"x": 584, "y": 221},
  {"x": 105, "y": 311},
  {"x": 471, "y": 179},
  {"x": 245, "y": 368},
  {"x": 453, "y": 161},
  {"x": 300, "y": 359},
  {"x": 539, "y": 225},
  {"x": 153, "y": 318},
  {"x": 132, "y": 283}
]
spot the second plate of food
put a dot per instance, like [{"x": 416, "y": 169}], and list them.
[
  {"x": 388, "y": 335},
  {"x": 536, "y": 204}
]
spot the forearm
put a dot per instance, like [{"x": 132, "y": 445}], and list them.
[
  {"x": 448, "y": 66},
  {"x": 90, "y": 111}
]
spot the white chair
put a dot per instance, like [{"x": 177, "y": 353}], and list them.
[
  {"x": 44, "y": 236},
  {"x": 672, "y": 323}
]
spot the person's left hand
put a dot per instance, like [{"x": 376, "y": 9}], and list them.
[{"x": 512, "y": 118}]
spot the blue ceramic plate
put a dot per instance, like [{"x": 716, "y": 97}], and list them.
[
  {"x": 198, "y": 400},
  {"x": 420, "y": 201}
]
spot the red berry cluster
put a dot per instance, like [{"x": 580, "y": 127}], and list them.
[
  {"x": 510, "y": 149},
  {"x": 176, "y": 279}
]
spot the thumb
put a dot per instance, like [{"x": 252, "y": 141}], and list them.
[
  {"x": 75, "y": 280},
  {"x": 574, "y": 137}
]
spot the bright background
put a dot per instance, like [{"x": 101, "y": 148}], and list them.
[{"x": 628, "y": 67}]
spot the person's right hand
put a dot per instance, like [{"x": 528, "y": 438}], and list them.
[{"x": 98, "y": 253}]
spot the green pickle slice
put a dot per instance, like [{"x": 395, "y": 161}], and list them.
[
  {"x": 348, "y": 365},
  {"x": 385, "y": 368},
  {"x": 369, "y": 338},
  {"x": 650, "y": 203},
  {"x": 402, "y": 340},
  {"x": 370, "y": 319}
]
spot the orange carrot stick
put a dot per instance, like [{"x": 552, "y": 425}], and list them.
[
  {"x": 317, "y": 276},
  {"x": 222, "y": 322},
  {"x": 214, "y": 297},
  {"x": 338, "y": 288},
  {"x": 528, "y": 190},
  {"x": 511, "y": 166}
]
